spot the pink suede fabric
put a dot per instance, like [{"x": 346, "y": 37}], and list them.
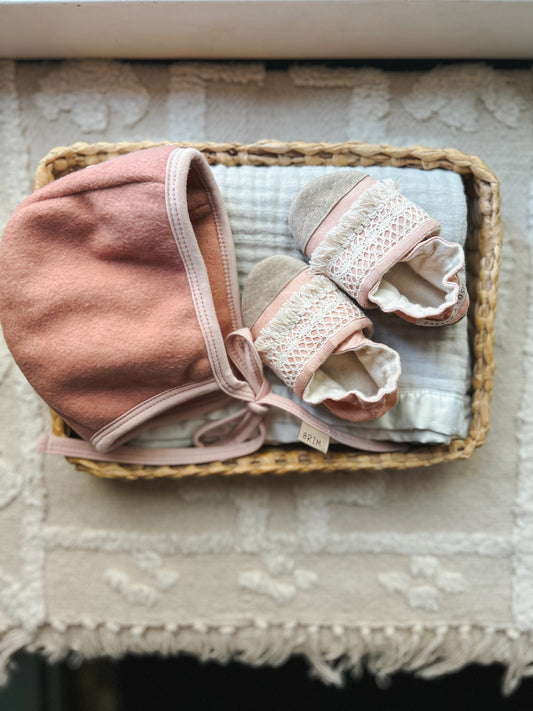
[{"x": 95, "y": 303}]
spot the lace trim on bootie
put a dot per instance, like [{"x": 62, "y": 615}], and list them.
[
  {"x": 315, "y": 345},
  {"x": 379, "y": 229}
]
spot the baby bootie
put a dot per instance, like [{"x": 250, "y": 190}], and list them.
[
  {"x": 316, "y": 340},
  {"x": 380, "y": 248}
]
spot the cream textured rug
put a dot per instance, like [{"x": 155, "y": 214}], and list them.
[{"x": 423, "y": 570}]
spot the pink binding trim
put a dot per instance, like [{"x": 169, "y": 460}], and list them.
[
  {"x": 111, "y": 434},
  {"x": 178, "y": 167},
  {"x": 304, "y": 277},
  {"x": 51, "y": 444},
  {"x": 334, "y": 216}
]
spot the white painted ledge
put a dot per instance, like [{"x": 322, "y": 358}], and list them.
[{"x": 267, "y": 29}]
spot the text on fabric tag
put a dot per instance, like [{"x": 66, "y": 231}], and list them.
[{"x": 313, "y": 438}]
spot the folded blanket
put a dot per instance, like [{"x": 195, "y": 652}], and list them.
[{"x": 434, "y": 402}]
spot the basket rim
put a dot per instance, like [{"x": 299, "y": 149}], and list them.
[{"x": 280, "y": 460}]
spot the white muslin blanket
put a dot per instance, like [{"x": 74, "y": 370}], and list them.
[{"x": 434, "y": 400}]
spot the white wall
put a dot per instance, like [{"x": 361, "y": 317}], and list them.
[{"x": 267, "y": 29}]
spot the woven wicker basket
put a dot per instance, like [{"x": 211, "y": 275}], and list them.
[{"x": 483, "y": 257}]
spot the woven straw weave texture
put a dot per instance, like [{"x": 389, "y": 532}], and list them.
[{"x": 483, "y": 247}]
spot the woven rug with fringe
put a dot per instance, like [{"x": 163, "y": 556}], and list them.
[{"x": 424, "y": 570}]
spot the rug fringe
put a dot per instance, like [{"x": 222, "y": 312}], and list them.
[
  {"x": 11, "y": 642},
  {"x": 333, "y": 652}
]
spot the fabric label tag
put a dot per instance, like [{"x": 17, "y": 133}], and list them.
[{"x": 313, "y": 438}]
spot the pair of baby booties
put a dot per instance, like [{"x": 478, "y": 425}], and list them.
[{"x": 368, "y": 247}]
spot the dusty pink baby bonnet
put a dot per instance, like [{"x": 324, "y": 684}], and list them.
[
  {"x": 96, "y": 305},
  {"x": 120, "y": 304}
]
